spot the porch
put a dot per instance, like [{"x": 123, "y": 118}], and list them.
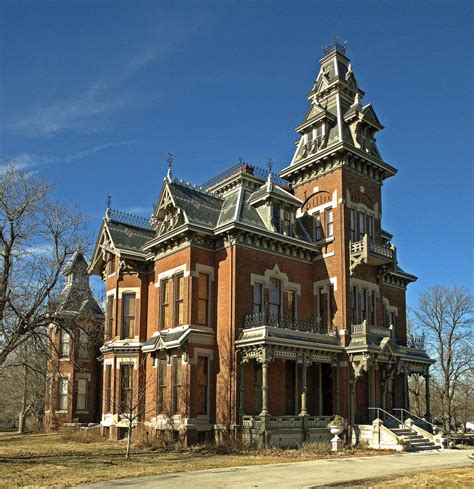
[{"x": 289, "y": 382}]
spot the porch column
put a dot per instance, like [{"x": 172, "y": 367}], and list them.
[
  {"x": 371, "y": 373},
  {"x": 405, "y": 389},
  {"x": 427, "y": 393},
  {"x": 264, "y": 388},
  {"x": 338, "y": 388},
  {"x": 241, "y": 388},
  {"x": 304, "y": 410}
]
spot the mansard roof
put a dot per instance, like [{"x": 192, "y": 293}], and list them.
[{"x": 201, "y": 207}]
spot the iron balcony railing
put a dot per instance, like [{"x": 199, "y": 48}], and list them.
[
  {"x": 310, "y": 325},
  {"x": 245, "y": 168},
  {"x": 414, "y": 341}
]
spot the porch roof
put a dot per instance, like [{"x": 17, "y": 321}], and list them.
[
  {"x": 282, "y": 337},
  {"x": 173, "y": 338}
]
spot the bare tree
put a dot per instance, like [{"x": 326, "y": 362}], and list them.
[
  {"x": 445, "y": 315},
  {"x": 23, "y": 380},
  {"x": 131, "y": 402},
  {"x": 37, "y": 237}
]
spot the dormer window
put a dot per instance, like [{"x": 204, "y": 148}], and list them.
[
  {"x": 276, "y": 217},
  {"x": 287, "y": 222}
]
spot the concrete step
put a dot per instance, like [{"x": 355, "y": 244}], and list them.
[{"x": 418, "y": 442}]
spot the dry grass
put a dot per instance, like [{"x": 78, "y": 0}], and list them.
[
  {"x": 455, "y": 478},
  {"x": 47, "y": 460}
]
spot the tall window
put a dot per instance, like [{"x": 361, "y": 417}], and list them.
[
  {"x": 111, "y": 264},
  {"x": 83, "y": 345},
  {"x": 128, "y": 315},
  {"x": 257, "y": 298},
  {"x": 318, "y": 230},
  {"x": 177, "y": 389},
  {"x": 354, "y": 305},
  {"x": 291, "y": 305},
  {"x": 202, "y": 385},
  {"x": 331, "y": 306},
  {"x": 392, "y": 319},
  {"x": 110, "y": 317},
  {"x": 126, "y": 387},
  {"x": 363, "y": 304},
  {"x": 287, "y": 222},
  {"x": 362, "y": 229},
  {"x": 275, "y": 297},
  {"x": 81, "y": 399},
  {"x": 276, "y": 218},
  {"x": 108, "y": 388},
  {"x": 203, "y": 300},
  {"x": 353, "y": 226},
  {"x": 166, "y": 314},
  {"x": 161, "y": 387},
  {"x": 179, "y": 299},
  {"x": 370, "y": 227},
  {"x": 372, "y": 307},
  {"x": 64, "y": 344},
  {"x": 322, "y": 306},
  {"x": 329, "y": 223},
  {"x": 62, "y": 393}
]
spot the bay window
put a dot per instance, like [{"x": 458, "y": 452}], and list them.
[{"x": 177, "y": 388}]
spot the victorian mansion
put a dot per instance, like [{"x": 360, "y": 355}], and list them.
[{"x": 262, "y": 304}]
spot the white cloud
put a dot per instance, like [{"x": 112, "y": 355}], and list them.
[
  {"x": 26, "y": 161},
  {"x": 76, "y": 113}
]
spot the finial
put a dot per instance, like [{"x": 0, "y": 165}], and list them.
[
  {"x": 169, "y": 175},
  {"x": 108, "y": 203},
  {"x": 269, "y": 179},
  {"x": 241, "y": 161},
  {"x": 334, "y": 46}
]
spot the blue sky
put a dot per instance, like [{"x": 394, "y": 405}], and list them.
[{"x": 94, "y": 94}]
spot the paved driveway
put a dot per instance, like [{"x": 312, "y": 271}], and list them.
[{"x": 299, "y": 475}]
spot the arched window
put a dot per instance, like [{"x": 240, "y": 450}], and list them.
[{"x": 275, "y": 297}]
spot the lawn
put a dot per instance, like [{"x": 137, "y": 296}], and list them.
[
  {"x": 459, "y": 478},
  {"x": 47, "y": 460}
]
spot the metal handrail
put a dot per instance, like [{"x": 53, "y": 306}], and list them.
[
  {"x": 402, "y": 410},
  {"x": 395, "y": 418}
]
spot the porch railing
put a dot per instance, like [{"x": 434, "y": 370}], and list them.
[
  {"x": 284, "y": 422},
  {"x": 311, "y": 325}
]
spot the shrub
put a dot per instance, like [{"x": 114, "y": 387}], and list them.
[{"x": 71, "y": 434}]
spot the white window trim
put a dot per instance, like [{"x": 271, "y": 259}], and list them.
[
  {"x": 275, "y": 273},
  {"x": 356, "y": 282},
  {"x": 208, "y": 270},
  {"x": 324, "y": 284},
  {"x": 129, "y": 290},
  {"x": 169, "y": 274}
]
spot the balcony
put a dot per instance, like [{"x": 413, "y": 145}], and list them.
[
  {"x": 365, "y": 329},
  {"x": 310, "y": 325},
  {"x": 365, "y": 251}
]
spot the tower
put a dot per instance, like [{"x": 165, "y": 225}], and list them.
[{"x": 73, "y": 384}]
